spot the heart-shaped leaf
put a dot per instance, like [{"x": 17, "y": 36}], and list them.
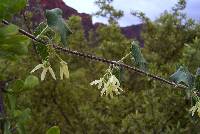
[
  {"x": 57, "y": 23},
  {"x": 183, "y": 76},
  {"x": 138, "y": 57},
  {"x": 31, "y": 81}
]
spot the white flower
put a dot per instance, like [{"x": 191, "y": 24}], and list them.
[
  {"x": 64, "y": 70},
  {"x": 195, "y": 108},
  {"x": 109, "y": 87},
  {"x": 46, "y": 67},
  {"x": 99, "y": 82},
  {"x": 112, "y": 86}
]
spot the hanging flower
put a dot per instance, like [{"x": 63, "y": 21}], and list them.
[
  {"x": 99, "y": 82},
  {"x": 64, "y": 72},
  {"x": 196, "y": 108},
  {"x": 109, "y": 86},
  {"x": 46, "y": 67},
  {"x": 112, "y": 86}
]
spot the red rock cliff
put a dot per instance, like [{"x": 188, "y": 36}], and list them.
[{"x": 129, "y": 31}]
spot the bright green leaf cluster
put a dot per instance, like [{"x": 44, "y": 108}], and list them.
[
  {"x": 20, "y": 85},
  {"x": 12, "y": 44},
  {"x": 21, "y": 117},
  {"x": 9, "y": 7}
]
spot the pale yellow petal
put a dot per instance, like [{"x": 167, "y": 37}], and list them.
[
  {"x": 100, "y": 85},
  {"x": 94, "y": 82},
  {"x": 103, "y": 91},
  {"x": 193, "y": 110},
  {"x": 37, "y": 67},
  {"x": 52, "y": 73},
  {"x": 66, "y": 71},
  {"x": 43, "y": 74},
  {"x": 198, "y": 111},
  {"x": 61, "y": 73}
]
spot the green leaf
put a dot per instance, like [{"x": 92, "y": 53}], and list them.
[
  {"x": 183, "y": 76},
  {"x": 31, "y": 81},
  {"x": 22, "y": 116},
  {"x": 53, "y": 130},
  {"x": 7, "y": 126},
  {"x": 12, "y": 102},
  {"x": 18, "y": 85},
  {"x": 57, "y": 23},
  {"x": 138, "y": 56},
  {"x": 20, "y": 128}
]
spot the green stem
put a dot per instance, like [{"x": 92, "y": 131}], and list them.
[
  {"x": 58, "y": 56},
  {"x": 124, "y": 57},
  {"x": 42, "y": 32}
]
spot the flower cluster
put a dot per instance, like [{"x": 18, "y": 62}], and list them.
[
  {"x": 109, "y": 84},
  {"x": 196, "y": 108},
  {"x": 64, "y": 72}
]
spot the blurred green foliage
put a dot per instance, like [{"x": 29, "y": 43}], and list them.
[
  {"x": 12, "y": 44},
  {"x": 10, "y": 7}
]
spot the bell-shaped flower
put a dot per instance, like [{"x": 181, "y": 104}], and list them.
[
  {"x": 64, "y": 72},
  {"x": 46, "y": 67}
]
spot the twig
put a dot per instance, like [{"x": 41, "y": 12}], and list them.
[{"x": 100, "y": 59}]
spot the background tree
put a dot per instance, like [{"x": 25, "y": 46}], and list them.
[{"x": 107, "y": 10}]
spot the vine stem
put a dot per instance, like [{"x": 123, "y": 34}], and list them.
[
  {"x": 42, "y": 32},
  {"x": 125, "y": 57},
  {"x": 100, "y": 59}
]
